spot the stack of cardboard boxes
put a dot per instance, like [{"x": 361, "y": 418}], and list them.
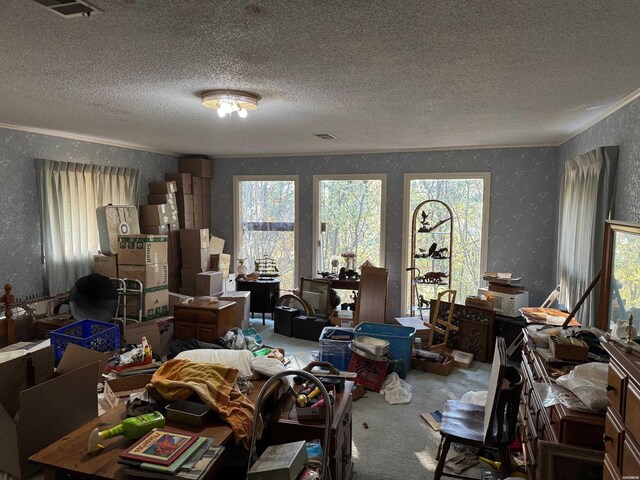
[
  {"x": 201, "y": 171},
  {"x": 195, "y": 257},
  {"x": 144, "y": 257},
  {"x": 184, "y": 198}
]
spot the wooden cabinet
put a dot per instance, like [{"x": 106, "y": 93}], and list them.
[
  {"x": 285, "y": 427},
  {"x": 556, "y": 425},
  {"x": 264, "y": 295},
  {"x": 622, "y": 428},
  {"x": 203, "y": 320}
]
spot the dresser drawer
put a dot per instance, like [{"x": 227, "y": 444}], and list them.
[
  {"x": 613, "y": 436},
  {"x": 616, "y": 381},
  {"x": 610, "y": 471},
  {"x": 630, "y": 458},
  {"x": 632, "y": 410}
]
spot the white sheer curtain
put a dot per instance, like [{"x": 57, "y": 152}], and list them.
[
  {"x": 586, "y": 201},
  {"x": 69, "y": 196}
]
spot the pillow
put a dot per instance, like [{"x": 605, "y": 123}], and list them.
[{"x": 240, "y": 359}]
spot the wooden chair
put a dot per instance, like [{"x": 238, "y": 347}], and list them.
[
  {"x": 493, "y": 426},
  {"x": 7, "y": 328}
]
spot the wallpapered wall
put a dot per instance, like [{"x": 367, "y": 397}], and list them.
[
  {"x": 621, "y": 128},
  {"x": 523, "y": 204},
  {"x": 20, "y": 258}
]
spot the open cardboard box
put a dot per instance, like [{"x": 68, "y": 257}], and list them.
[
  {"x": 58, "y": 403},
  {"x": 118, "y": 390},
  {"x": 159, "y": 333}
]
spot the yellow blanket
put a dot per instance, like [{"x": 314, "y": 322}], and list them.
[{"x": 178, "y": 379}]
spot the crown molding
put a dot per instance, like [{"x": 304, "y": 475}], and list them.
[
  {"x": 86, "y": 138},
  {"x": 604, "y": 114}
]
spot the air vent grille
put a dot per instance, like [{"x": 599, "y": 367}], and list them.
[
  {"x": 325, "y": 136},
  {"x": 68, "y": 8}
]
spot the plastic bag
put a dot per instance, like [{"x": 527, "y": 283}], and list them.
[
  {"x": 478, "y": 398},
  {"x": 396, "y": 390},
  {"x": 589, "y": 382}
]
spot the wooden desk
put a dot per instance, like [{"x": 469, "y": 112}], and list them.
[
  {"x": 344, "y": 284},
  {"x": 69, "y": 454}
]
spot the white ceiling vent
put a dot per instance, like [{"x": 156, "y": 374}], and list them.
[
  {"x": 325, "y": 136},
  {"x": 68, "y": 8}
]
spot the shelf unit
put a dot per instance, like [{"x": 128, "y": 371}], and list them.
[{"x": 431, "y": 223}]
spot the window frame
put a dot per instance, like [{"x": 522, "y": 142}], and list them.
[
  {"x": 406, "y": 221},
  {"x": 237, "y": 221},
  {"x": 316, "y": 211}
]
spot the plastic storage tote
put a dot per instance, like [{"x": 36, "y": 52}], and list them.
[
  {"x": 336, "y": 352},
  {"x": 93, "y": 334},
  {"x": 400, "y": 341}
]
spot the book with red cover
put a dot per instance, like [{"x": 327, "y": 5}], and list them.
[{"x": 159, "y": 446}]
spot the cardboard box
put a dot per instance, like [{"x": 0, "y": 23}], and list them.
[
  {"x": 206, "y": 204},
  {"x": 206, "y": 188},
  {"x": 142, "y": 249},
  {"x": 196, "y": 258},
  {"x": 183, "y": 181},
  {"x": 194, "y": 238},
  {"x": 159, "y": 333},
  {"x": 33, "y": 418},
  {"x": 191, "y": 292},
  {"x": 209, "y": 283},
  {"x": 216, "y": 245},
  {"x": 161, "y": 198},
  {"x": 196, "y": 186},
  {"x": 567, "y": 348},
  {"x": 155, "y": 229},
  {"x": 163, "y": 187},
  {"x": 106, "y": 265},
  {"x": 476, "y": 301},
  {"x": 206, "y": 221},
  {"x": 196, "y": 166},
  {"x": 188, "y": 276},
  {"x": 241, "y": 313},
  {"x": 434, "y": 367},
  {"x": 185, "y": 203},
  {"x": 221, "y": 262},
  {"x": 154, "y": 275},
  {"x": 186, "y": 221},
  {"x": 197, "y": 204},
  {"x": 156, "y": 214},
  {"x": 155, "y": 303},
  {"x": 197, "y": 221},
  {"x": 118, "y": 390},
  {"x": 462, "y": 359}
]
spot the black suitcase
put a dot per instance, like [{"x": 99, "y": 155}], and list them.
[
  {"x": 283, "y": 320},
  {"x": 308, "y": 328}
]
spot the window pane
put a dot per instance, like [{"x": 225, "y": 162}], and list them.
[
  {"x": 465, "y": 197},
  {"x": 350, "y": 216},
  {"x": 267, "y": 210}
]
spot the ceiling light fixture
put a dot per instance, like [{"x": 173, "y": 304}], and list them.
[{"x": 228, "y": 101}]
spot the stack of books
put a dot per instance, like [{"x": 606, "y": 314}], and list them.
[{"x": 170, "y": 454}]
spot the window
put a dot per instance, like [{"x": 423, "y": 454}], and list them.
[
  {"x": 69, "y": 195},
  {"x": 349, "y": 217},
  {"x": 265, "y": 223},
  {"x": 468, "y": 196}
]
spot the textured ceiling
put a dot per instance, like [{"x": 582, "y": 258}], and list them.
[{"x": 379, "y": 75}]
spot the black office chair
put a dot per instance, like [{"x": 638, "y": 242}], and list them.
[{"x": 493, "y": 426}]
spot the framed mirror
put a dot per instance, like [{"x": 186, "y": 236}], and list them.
[
  {"x": 290, "y": 300},
  {"x": 620, "y": 281},
  {"x": 317, "y": 293}
]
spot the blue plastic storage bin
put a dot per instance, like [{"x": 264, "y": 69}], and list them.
[
  {"x": 336, "y": 352},
  {"x": 400, "y": 341},
  {"x": 93, "y": 334}
]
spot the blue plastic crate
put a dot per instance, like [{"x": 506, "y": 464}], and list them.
[
  {"x": 336, "y": 352},
  {"x": 93, "y": 334},
  {"x": 400, "y": 341}
]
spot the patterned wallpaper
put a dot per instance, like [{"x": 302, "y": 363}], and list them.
[
  {"x": 20, "y": 259},
  {"x": 621, "y": 128},
  {"x": 523, "y": 204}
]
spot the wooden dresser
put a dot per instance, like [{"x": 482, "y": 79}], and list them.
[
  {"x": 203, "y": 320},
  {"x": 622, "y": 427},
  {"x": 549, "y": 435}
]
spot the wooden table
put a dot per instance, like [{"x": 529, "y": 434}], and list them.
[{"x": 69, "y": 454}]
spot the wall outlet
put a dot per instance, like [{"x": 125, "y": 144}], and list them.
[{"x": 389, "y": 303}]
